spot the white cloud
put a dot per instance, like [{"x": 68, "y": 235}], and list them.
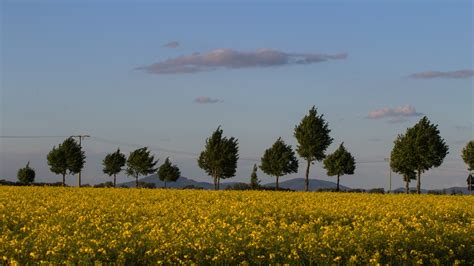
[
  {"x": 231, "y": 59},
  {"x": 396, "y": 115}
]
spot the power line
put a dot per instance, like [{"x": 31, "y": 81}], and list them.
[{"x": 32, "y": 137}]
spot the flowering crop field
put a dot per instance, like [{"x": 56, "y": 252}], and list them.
[{"x": 141, "y": 226}]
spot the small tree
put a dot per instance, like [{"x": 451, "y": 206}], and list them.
[
  {"x": 254, "y": 182},
  {"x": 279, "y": 160},
  {"x": 168, "y": 172},
  {"x": 219, "y": 157},
  {"x": 468, "y": 155},
  {"x": 341, "y": 162},
  {"x": 26, "y": 175},
  {"x": 426, "y": 150},
  {"x": 113, "y": 164},
  {"x": 140, "y": 162},
  {"x": 401, "y": 160},
  {"x": 313, "y": 139},
  {"x": 68, "y": 157}
]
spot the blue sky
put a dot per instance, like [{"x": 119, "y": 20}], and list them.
[{"x": 74, "y": 67}]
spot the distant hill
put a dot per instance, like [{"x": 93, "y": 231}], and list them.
[
  {"x": 293, "y": 184},
  {"x": 181, "y": 183},
  {"x": 448, "y": 191},
  {"x": 314, "y": 184}
]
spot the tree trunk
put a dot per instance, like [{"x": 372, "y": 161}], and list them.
[
  {"x": 165, "y": 183},
  {"x": 276, "y": 187},
  {"x": 215, "y": 183},
  {"x": 64, "y": 180},
  {"x": 115, "y": 180},
  {"x": 218, "y": 183},
  {"x": 136, "y": 181},
  {"x": 407, "y": 185},
  {"x": 306, "y": 184},
  {"x": 337, "y": 188},
  {"x": 418, "y": 182},
  {"x": 79, "y": 180}
]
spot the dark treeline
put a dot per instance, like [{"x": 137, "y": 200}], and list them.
[{"x": 416, "y": 151}]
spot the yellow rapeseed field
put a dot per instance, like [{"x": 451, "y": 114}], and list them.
[{"x": 140, "y": 226}]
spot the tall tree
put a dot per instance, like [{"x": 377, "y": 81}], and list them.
[
  {"x": 279, "y": 160},
  {"x": 168, "y": 172},
  {"x": 26, "y": 175},
  {"x": 401, "y": 160},
  {"x": 313, "y": 139},
  {"x": 254, "y": 182},
  {"x": 140, "y": 162},
  {"x": 468, "y": 155},
  {"x": 341, "y": 162},
  {"x": 68, "y": 157},
  {"x": 427, "y": 149},
  {"x": 219, "y": 157},
  {"x": 113, "y": 164}
]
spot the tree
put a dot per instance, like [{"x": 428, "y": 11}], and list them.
[
  {"x": 254, "y": 182},
  {"x": 313, "y": 139},
  {"x": 341, "y": 162},
  {"x": 426, "y": 148},
  {"x": 113, "y": 163},
  {"x": 279, "y": 160},
  {"x": 468, "y": 155},
  {"x": 168, "y": 172},
  {"x": 219, "y": 157},
  {"x": 68, "y": 157},
  {"x": 401, "y": 161},
  {"x": 140, "y": 162},
  {"x": 26, "y": 175}
]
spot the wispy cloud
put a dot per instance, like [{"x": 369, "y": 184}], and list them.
[
  {"x": 173, "y": 44},
  {"x": 206, "y": 100},
  {"x": 232, "y": 59},
  {"x": 395, "y": 115},
  {"x": 459, "y": 74}
]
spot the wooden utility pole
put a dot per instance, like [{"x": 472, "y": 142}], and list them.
[
  {"x": 390, "y": 176},
  {"x": 80, "y": 145}
]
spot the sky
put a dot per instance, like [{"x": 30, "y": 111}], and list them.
[{"x": 167, "y": 74}]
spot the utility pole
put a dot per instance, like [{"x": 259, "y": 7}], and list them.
[
  {"x": 80, "y": 145},
  {"x": 390, "y": 175}
]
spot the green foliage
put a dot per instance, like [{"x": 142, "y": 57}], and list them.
[
  {"x": 219, "y": 157},
  {"x": 341, "y": 162},
  {"x": 401, "y": 161},
  {"x": 113, "y": 164},
  {"x": 468, "y": 155},
  {"x": 254, "y": 182},
  {"x": 168, "y": 172},
  {"x": 68, "y": 157},
  {"x": 313, "y": 139},
  {"x": 26, "y": 175},
  {"x": 279, "y": 160},
  {"x": 423, "y": 148},
  {"x": 140, "y": 162}
]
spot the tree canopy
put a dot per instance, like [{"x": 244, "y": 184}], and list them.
[
  {"x": 219, "y": 157},
  {"x": 424, "y": 148},
  {"x": 26, "y": 174},
  {"x": 340, "y": 163},
  {"x": 168, "y": 172},
  {"x": 113, "y": 164},
  {"x": 140, "y": 162},
  {"x": 254, "y": 182},
  {"x": 401, "y": 160},
  {"x": 68, "y": 157},
  {"x": 468, "y": 155},
  {"x": 313, "y": 138},
  {"x": 279, "y": 160}
]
